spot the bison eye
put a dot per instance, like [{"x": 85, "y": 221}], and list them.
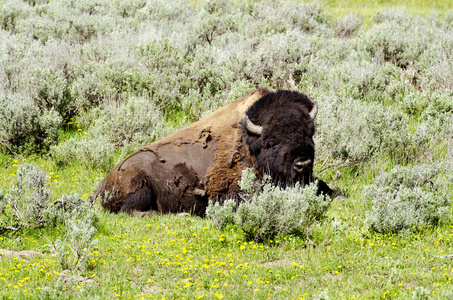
[{"x": 271, "y": 144}]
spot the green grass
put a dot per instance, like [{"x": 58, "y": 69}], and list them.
[
  {"x": 366, "y": 9},
  {"x": 175, "y": 258},
  {"x": 75, "y": 178}
]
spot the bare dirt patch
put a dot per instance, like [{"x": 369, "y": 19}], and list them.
[{"x": 23, "y": 253}]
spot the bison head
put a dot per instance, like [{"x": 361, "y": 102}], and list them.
[{"x": 278, "y": 130}]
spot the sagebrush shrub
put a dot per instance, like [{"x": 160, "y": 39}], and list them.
[
  {"x": 69, "y": 206},
  {"x": 281, "y": 16},
  {"x": 221, "y": 215},
  {"x": 78, "y": 241},
  {"x": 436, "y": 123},
  {"x": 399, "y": 16},
  {"x": 129, "y": 8},
  {"x": 129, "y": 125},
  {"x": 386, "y": 42},
  {"x": 351, "y": 131},
  {"x": 134, "y": 122},
  {"x": 80, "y": 219},
  {"x": 24, "y": 127},
  {"x": 439, "y": 104},
  {"x": 29, "y": 202},
  {"x": 408, "y": 198},
  {"x": 347, "y": 25},
  {"x": 267, "y": 210},
  {"x": 91, "y": 152},
  {"x": 414, "y": 103},
  {"x": 421, "y": 293},
  {"x": 27, "y": 198},
  {"x": 10, "y": 12}
]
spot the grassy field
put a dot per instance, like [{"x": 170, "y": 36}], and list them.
[
  {"x": 174, "y": 258},
  {"x": 83, "y": 84},
  {"x": 367, "y": 9}
]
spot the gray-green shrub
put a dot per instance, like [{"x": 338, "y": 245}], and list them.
[
  {"x": 78, "y": 241},
  {"x": 28, "y": 197},
  {"x": 400, "y": 38},
  {"x": 221, "y": 215},
  {"x": 79, "y": 219},
  {"x": 24, "y": 127},
  {"x": 128, "y": 124},
  {"x": 69, "y": 206},
  {"x": 436, "y": 123},
  {"x": 421, "y": 293},
  {"x": 65, "y": 58},
  {"x": 351, "y": 131},
  {"x": 29, "y": 202},
  {"x": 346, "y": 26},
  {"x": 409, "y": 198},
  {"x": 88, "y": 151},
  {"x": 267, "y": 210}
]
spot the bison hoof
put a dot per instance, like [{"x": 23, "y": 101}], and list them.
[
  {"x": 340, "y": 198},
  {"x": 142, "y": 214},
  {"x": 183, "y": 215}
]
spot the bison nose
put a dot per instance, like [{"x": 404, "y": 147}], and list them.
[{"x": 303, "y": 166}]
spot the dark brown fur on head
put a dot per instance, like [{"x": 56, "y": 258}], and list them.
[{"x": 286, "y": 138}]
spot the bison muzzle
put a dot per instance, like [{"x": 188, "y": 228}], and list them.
[{"x": 271, "y": 132}]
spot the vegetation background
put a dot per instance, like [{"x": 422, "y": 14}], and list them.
[{"x": 85, "y": 83}]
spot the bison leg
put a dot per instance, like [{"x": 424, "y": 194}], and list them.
[
  {"x": 324, "y": 189},
  {"x": 142, "y": 199},
  {"x": 128, "y": 186},
  {"x": 144, "y": 214}
]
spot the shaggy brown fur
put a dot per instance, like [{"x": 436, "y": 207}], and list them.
[
  {"x": 182, "y": 171},
  {"x": 204, "y": 160}
]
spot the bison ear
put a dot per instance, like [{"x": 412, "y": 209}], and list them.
[
  {"x": 314, "y": 109},
  {"x": 252, "y": 128}
]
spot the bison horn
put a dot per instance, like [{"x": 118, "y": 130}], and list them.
[
  {"x": 314, "y": 109},
  {"x": 252, "y": 128}
]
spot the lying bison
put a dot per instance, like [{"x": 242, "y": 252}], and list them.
[{"x": 271, "y": 132}]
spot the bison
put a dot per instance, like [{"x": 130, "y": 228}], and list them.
[{"x": 271, "y": 132}]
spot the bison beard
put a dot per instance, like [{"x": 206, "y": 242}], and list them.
[{"x": 271, "y": 132}]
